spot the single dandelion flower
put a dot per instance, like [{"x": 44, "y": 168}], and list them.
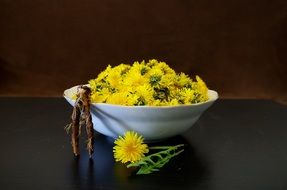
[
  {"x": 114, "y": 79},
  {"x": 187, "y": 95},
  {"x": 183, "y": 80},
  {"x": 135, "y": 79},
  {"x": 145, "y": 94},
  {"x": 118, "y": 98},
  {"x": 129, "y": 148}
]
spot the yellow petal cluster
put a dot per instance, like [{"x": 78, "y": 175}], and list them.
[
  {"x": 151, "y": 83},
  {"x": 129, "y": 148}
]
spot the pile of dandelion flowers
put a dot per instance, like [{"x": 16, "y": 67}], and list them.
[
  {"x": 129, "y": 148},
  {"x": 146, "y": 84}
]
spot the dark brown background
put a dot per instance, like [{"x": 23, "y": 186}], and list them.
[{"x": 239, "y": 47}]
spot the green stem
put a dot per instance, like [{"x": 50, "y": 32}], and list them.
[{"x": 165, "y": 147}]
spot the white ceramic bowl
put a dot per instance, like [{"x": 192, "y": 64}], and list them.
[{"x": 152, "y": 122}]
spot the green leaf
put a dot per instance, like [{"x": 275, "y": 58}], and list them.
[{"x": 154, "y": 162}]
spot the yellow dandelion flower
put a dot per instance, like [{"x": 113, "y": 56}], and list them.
[
  {"x": 164, "y": 68},
  {"x": 126, "y": 88},
  {"x": 117, "y": 98},
  {"x": 114, "y": 79},
  {"x": 132, "y": 99},
  {"x": 99, "y": 97},
  {"x": 121, "y": 69},
  {"x": 201, "y": 85},
  {"x": 183, "y": 80},
  {"x": 135, "y": 79},
  {"x": 201, "y": 89},
  {"x": 155, "y": 102},
  {"x": 168, "y": 80},
  {"x": 155, "y": 72},
  {"x": 145, "y": 93},
  {"x": 174, "y": 102},
  {"x": 129, "y": 148},
  {"x": 93, "y": 84},
  {"x": 187, "y": 95},
  {"x": 152, "y": 62},
  {"x": 136, "y": 67},
  {"x": 139, "y": 68}
]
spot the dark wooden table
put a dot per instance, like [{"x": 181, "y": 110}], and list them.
[{"x": 236, "y": 144}]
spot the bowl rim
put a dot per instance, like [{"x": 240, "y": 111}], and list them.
[{"x": 212, "y": 94}]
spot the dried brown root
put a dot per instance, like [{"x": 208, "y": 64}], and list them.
[
  {"x": 76, "y": 128},
  {"x": 81, "y": 116},
  {"x": 90, "y": 133},
  {"x": 88, "y": 119}
]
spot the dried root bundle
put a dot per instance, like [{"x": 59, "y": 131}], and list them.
[{"x": 81, "y": 116}]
